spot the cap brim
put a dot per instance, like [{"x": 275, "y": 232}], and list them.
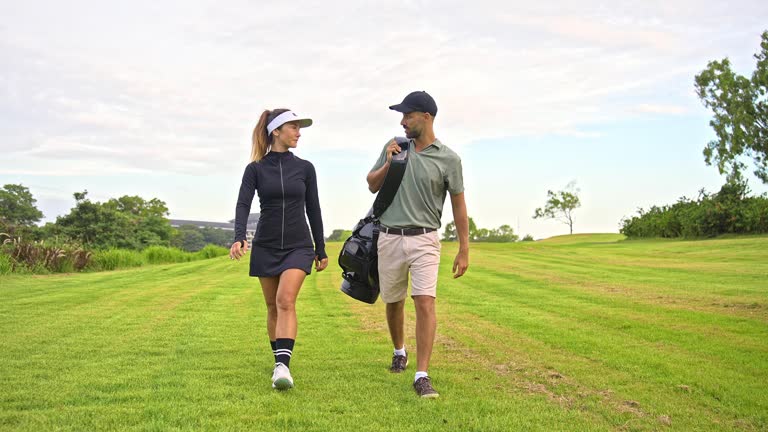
[
  {"x": 303, "y": 122},
  {"x": 401, "y": 108}
]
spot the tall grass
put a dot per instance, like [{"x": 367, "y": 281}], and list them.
[
  {"x": 113, "y": 259},
  {"x": 39, "y": 257},
  {"x": 22, "y": 256},
  {"x": 6, "y": 266},
  {"x": 211, "y": 251},
  {"x": 165, "y": 255}
]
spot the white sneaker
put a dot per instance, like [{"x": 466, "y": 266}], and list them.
[{"x": 281, "y": 377}]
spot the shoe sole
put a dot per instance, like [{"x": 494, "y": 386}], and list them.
[
  {"x": 431, "y": 396},
  {"x": 282, "y": 384}
]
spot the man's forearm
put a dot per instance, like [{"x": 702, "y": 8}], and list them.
[
  {"x": 376, "y": 178},
  {"x": 461, "y": 220}
]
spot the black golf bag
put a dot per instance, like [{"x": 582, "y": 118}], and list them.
[
  {"x": 358, "y": 258},
  {"x": 359, "y": 262}
]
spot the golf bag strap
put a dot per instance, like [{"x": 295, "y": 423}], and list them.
[{"x": 391, "y": 185}]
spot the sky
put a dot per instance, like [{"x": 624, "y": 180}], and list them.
[{"x": 159, "y": 99}]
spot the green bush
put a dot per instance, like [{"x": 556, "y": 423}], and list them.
[{"x": 729, "y": 211}]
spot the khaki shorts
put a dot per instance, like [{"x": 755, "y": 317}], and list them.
[{"x": 400, "y": 255}]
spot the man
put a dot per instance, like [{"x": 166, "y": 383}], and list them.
[{"x": 408, "y": 240}]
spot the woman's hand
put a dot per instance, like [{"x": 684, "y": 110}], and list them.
[
  {"x": 320, "y": 264},
  {"x": 236, "y": 251}
]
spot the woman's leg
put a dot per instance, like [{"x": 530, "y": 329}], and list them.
[
  {"x": 269, "y": 286},
  {"x": 287, "y": 292}
]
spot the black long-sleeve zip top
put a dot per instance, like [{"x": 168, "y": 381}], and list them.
[{"x": 287, "y": 187}]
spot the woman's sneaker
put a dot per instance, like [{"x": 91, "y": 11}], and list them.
[
  {"x": 423, "y": 387},
  {"x": 281, "y": 377}
]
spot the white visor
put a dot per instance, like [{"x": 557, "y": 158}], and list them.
[{"x": 288, "y": 116}]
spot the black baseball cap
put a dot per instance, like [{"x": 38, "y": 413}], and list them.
[{"x": 418, "y": 101}]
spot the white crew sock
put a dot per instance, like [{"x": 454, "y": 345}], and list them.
[
  {"x": 419, "y": 374},
  {"x": 400, "y": 351}
]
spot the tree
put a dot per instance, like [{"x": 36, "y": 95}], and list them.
[
  {"x": 560, "y": 205},
  {"x": 191, "y": 238},
  {"x": 217, "y": 236},
  {"x": 91, "y": 224},
  {"x": 339, "y": 235},
  {"x": 188, "y": 238},
  {"x": 450, "y": 231},
  {"x": 502, "y": 234},
  {"x": 740, "y": 108},
  {"x": 17, "y": 206},
  {"x": 127, "y": 222},
  {"x": 148, "y": 220}
]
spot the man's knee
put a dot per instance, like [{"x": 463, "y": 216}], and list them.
[
  {"x": 397, "y": 307},
  {"x": 424, "y": 304}
]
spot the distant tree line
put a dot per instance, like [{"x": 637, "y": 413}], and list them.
[
  {"x": 128, "y": 222},
  {"x": 501, "y": 234},
  {"x": 192, "y": 238}
]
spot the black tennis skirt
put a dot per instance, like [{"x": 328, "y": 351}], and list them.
[{"x": 266, "y": 262}]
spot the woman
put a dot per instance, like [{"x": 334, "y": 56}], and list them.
[{"x": 282, "y": 252}]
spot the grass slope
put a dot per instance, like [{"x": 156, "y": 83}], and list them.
[{"x": 579, "y": 333}]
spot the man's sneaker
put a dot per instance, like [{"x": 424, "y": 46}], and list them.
[
  {"x": 423, "y": 387},
  {"x": 281, "y": 377},
  {"x": 399, "y": 362}
]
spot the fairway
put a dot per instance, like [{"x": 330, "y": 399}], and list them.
[{"x": 575, "y": 333}]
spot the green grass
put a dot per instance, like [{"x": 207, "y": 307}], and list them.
[{"x": 573, "y": 333}]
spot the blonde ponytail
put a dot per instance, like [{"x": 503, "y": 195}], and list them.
[{"x": 261, "y": 141}]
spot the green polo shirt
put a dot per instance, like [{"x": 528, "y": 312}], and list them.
[{"x": 429, "y": 174}]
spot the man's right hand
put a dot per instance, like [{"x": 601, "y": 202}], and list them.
[{"x": 392, "y": 149}]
